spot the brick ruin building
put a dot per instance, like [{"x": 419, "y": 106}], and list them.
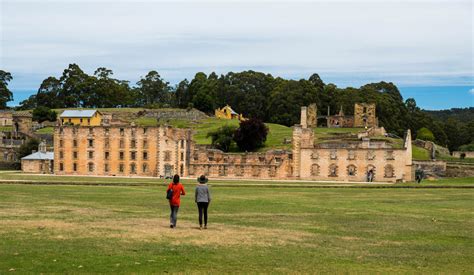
[
  {"x": 161, "y": 151},
  {"x": 364, "y": 116}
]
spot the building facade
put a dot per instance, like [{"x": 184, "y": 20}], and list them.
[
  {"x": 38, "y": 162},
  {"x": 127, "y": 150},
  {"x": 122, "y": 150},
  {"x": 81, "y": 117}
]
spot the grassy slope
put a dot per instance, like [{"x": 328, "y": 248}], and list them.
[{"x": 252, "y": 230}]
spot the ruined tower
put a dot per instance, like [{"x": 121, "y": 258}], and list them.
[{"x": 364, "y": 115}]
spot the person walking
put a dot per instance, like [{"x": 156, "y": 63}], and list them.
[
  {"x": 419, "y": 174},
  {"x": 176, "y": 189},
  {"x": 202, "y": 197}
]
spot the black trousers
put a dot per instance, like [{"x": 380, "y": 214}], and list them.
[{"x": 202, "y": 207}]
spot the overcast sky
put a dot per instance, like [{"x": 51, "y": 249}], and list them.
[{"x": 422, "y": 43}]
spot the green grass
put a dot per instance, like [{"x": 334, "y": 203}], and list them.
[
  {"x": 16, "y": 176},
  {"x": 419, "y": 153},
  {"x": 98, "y": 229},
  {"x": 6, "y": 128},
  {"x": 46, "y": 130}
]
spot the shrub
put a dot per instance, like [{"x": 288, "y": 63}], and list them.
[
  {"x": 425, "y": 134},
  {"x": 251, "y": 134},
  {"x": 222, "y": 138},
  {"x": 27, "y": 148},
  {"x": 467, "y": 147},
  {"x": 42, "y": 114}
]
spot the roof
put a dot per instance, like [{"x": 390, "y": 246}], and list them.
[
  {"x": 22, "y": 113},
  {"x": 78, "y": 113},
  {"x": 231, "y": 110},
  {"x": 39, "y": 156}
]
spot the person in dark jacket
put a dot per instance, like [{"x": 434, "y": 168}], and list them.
[
  {"x": 202, "y": 198},
  {"x": 175, "y": 201}
]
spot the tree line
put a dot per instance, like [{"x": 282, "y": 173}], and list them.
[{"x": 254, "y": 94}]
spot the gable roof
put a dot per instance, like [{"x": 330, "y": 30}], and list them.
[
  {"x": 231, "y": 110},
  {"x": 78, "y": 113},
  {"x": 40, "y": 156}
]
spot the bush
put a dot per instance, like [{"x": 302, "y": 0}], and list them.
[
  {"x": 425, "y": 134},
  {"x": 26, "y": 148},
  {"x": 222, "y": 138},
  {"x": 251, "y": 134},
  {"x": 42, "y": 114},
  {"x": 467, "y": 147}
]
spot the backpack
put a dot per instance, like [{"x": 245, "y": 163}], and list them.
[{"x": 169, "y": 194}]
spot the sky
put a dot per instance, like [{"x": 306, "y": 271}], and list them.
[{"x": 424, "y": 47}]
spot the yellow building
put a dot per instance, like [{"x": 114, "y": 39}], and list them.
[
  {"x": 226, "y": 112},
  {"x": 81, "y": 117}
]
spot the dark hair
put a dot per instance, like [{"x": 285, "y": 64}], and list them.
[{"x": 176, "y": 178}]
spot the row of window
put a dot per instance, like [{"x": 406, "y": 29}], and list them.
[
  {"x": 121, "y": 168},
  {"x": 351, "y": 155},
  {"x": 351, "y": 170},
  {"x": 133, "y": 155},
  {"x": 133, "y": 143}
]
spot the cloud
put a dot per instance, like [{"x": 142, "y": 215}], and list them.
[{"x": 409, "y": 43}]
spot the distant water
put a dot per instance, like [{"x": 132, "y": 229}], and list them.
[{"x": 430, "y": 98}]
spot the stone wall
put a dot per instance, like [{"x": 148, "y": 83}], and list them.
[
  {"x": 459, "y": 170},
  {"x": 364, "y": 115},
  {"x": 215, "y": 163},
  {"x": 431, "y": 168},
  {"x": 312, "y": 115},
  {"x": 36, "y": 166},
  {"x": 164, "y": 114},
  {"x": 434, "y": 149},
  {"x": 467, "y": 155}
]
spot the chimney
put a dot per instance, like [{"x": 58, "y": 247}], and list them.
[{"x": 304, "y": 117}]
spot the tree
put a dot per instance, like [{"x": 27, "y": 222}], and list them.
[
  {"x": 43, "y": 113},
  {"x": 152, "y": 90},
  {"x": 251, "y": 134},
  {"x": 222, "y": 138},
  {"x": 27, "y": 148},
  {"x": 425, "y": 134},
  {"x": 5, "y": 94}
]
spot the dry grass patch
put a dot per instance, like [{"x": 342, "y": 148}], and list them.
[{"x": 158, "y": 230}]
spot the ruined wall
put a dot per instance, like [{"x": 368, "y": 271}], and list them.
[
  {"x": 458, "y": 170},
  {"x": 467, "y": 155},
  {"x": 352, "y": 164},
  {"x": 121, "y": 150},
  {"x": 364, "y": 115},
  {"x": 164, "y": 114},
  {"x": 340, "y": 121},
  {"x": 431, "y": 168},
  {"x": 312, "y": 116},
  {"x": 215, "y": 163}
]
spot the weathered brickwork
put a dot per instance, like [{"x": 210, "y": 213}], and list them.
[
  {"x": 121, "y": 150},
  {"x": 364, "y": 115}
]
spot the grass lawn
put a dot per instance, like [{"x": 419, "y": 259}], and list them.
[
  {"x": 124, "y": 229},
  {"x": 46, "y": 130}
]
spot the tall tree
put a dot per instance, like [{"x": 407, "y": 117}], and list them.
[
  {"x": 5, "y": 94},
  {"x": 152, "y": 89}
]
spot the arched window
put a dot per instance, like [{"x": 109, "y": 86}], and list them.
[
  {"x": 333, "y": 170},
  {"x": 314, "y": 170},
  {"x": 351, "y": 170},
  {"x": 389, "y": 172},
  {"x": 133, "y": 168}
]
